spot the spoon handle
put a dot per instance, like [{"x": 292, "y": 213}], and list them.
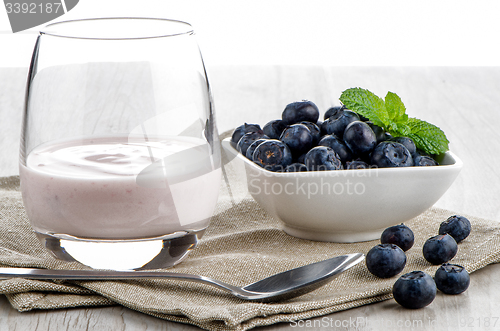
[
  {"x": 287, "y": 284},
  {"x": 33, "y": 273}
]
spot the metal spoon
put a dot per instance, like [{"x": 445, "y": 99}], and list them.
[{"x": 281, "y": 286}]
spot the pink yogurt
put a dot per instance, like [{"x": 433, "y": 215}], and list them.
[{"x": 120, "y": 188}]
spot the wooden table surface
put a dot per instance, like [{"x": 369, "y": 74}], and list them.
[{"x": 463, "y": 101}]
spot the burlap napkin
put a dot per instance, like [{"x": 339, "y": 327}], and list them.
[{"x": 242, "y": 245}]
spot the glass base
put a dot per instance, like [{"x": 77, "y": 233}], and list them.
[{"x": 128, "y": 254}]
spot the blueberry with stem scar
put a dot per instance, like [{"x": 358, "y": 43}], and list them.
[
  {"x": 338, "y": 147},
  {"x": 315, "y": 131},
  {"x": 241, "y": 130},
  {"x": 272, "y": 155},
  {"x": 300, "y": 111},
  {"x": 399, "y": 235},
  {"x": 389, "y": 154},
  {"x": 406, "y": 142},
  {"x": 440, "y": 249},
  {"x": 456, "y": 226},
  {"x": 321, "y": 158},
  {"x": 360, "y": 138},
  {"x": 385, "y": 260},
  {"x": 248, "y": 139},
  {"x": 452, "y": 279},
  {"x": 274, "y": 128},
  {"x": 252, "y": 147},
  {"x": 414, "y": 290},
  {"x": 424, "y": 161},
  {"x": 298, "y": 138},
  {"x": 337, "y": 122},
  {"x": 332, "y": 111}
]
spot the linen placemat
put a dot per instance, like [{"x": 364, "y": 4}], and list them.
[{"x": 242, "y": 245}]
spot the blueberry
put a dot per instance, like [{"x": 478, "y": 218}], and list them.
[
  {"x": 274, "y": 129},
  {"x": 420, "y": 152},
  {"x": 338, "y": 147},
  {"x": 322, "y": 127},
  {"x": 298, "y": 138},
  {"x": 357, "y": 164},
  {"x": 440, "y": 249},
  {"x": 452, "y": 279},
  {"x": 296, "y": 167},
  {"x": 248, "y": 139},
  {"x": 360, "y": 138},
  {"x": 423, "y": 161},
  {"x": 332, "y": 111},
  {"x": 337, "y": 123},
  {"x": 399, "y": 235},
  {"x": 241, "y": 130},
  {"x": 322, "y": 158},
  {"x": 252, "y": 147},
  {"x": 300, "y": 111},
  {"x": 391, "y": 154},
  {"x": 456, "y": 226},
  {"x": 379, "y": 132},
  {"x": 406, "y": 142},
  {"x": 414, "y": 290},
  {"x": 385, "y": 260},
  {"x": 315, "y": 131},
  {"x": 319, "y": 124},
  {"x": 273, "y": 155},
  {"x": 301, "y": 159}
]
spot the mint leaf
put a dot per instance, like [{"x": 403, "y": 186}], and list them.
[
  {"x": 390, "y": 114},
  {"x": 367, "y": 104},
  {"x": 395, "y": 108},
  {"x": 399, "y": 130},
  {"x": 427, "y": 137}
]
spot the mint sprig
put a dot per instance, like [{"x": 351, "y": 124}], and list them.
[{"x": 390, "y": 114}]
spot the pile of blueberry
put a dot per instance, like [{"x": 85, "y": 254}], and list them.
[
  {"x": 417, "y": 289},
  {"x": 344, "y": 140}
]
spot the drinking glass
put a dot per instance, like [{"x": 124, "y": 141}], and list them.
[{"x": 120, "y": 157}]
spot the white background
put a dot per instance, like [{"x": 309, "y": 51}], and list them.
[{"x": 318, "y": 32}]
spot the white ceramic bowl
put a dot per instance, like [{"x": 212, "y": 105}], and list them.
[{"x": 347, "y": 205}]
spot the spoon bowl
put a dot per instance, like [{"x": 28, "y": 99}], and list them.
[{"x": 285, "y": 285}]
